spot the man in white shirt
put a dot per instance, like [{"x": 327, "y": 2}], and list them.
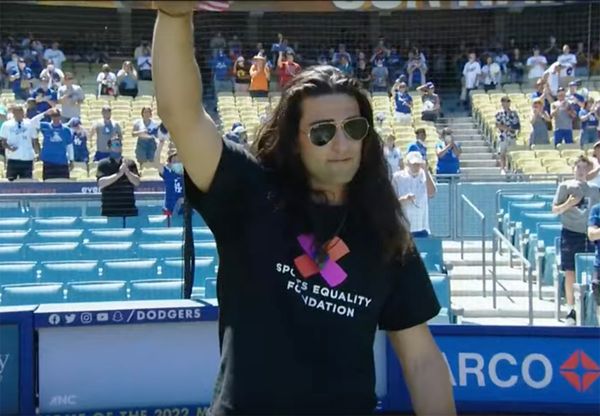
[
  {"x": 55, "y": 55},
  {"x": 393, "y": 155},
  {"x": 471, "y": 72},
  {"x": 568, "y": 62},
  {"x": 552, "y": 77},
  {"x": 537, "y": 65},
  {"x": 414, "y": 186},
  {"x": 17, "y": 139},
  {"x": 54, "y": 74}
]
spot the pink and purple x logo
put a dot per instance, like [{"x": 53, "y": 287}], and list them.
[{"x": 331, "y": 271}]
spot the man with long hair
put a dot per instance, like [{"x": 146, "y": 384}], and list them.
[{"x": 314, "y": 250}]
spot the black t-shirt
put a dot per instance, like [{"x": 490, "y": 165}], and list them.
[
  {"x": 295, "y": 340},
  {"x": 118, "y": 199}
]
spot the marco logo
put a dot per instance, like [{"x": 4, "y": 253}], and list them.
[
  {"x": 580, "y": 371},
  {"x": 331, "y": 272},
  {"x": 3, "y": 361},
  {"x": 64, "y": 400}
]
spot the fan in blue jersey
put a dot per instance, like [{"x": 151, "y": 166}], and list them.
[
  {"x": 80, "y": 137},
  {"x": 172, "y": 174},
  {"x": 57, "y": 145}
]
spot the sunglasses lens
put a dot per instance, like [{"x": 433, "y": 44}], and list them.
[
  {"x": 357, "y": 129},
  {"x": 322, "y": 134}
]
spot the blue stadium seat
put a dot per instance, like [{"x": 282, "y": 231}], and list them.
[
  {"x": 584, "y": 263},
  {"x": 542, "y": 239},
  {"x": 210, "y": 287},
  {"x": 52, "y": 251},
  {"x": 56, "y": 211},
  {"x": 145, "y": 210},
  {"x": 98, "y": 291},
  {"x": 157, "y": 250},
  {"x": 545, "y": 197},
  {"x": 441, "y": 286},
  {"x": 172, "y": 268},
  {"x": 110, "y": 234},
  {"x": 49, "y": 236},
  {"x": 11, "y": 252},
  {"x": 197, "y": 220},
  {"x": 156, "y": 289},
  {"x": 129, "y": 269},
  {"x": 54, "y": 223},
  {"x": 14, "y": 223},
  {"x": 515, "y": 209},
  {"x": 161, "y": 234},
  {"x": 136, "y": 222},
  {"x": 156, "y": 221},
  {"x": 107, "y": 250},
  {"x": 432, "y": 253},
  {"x": 32, "y": 294},
  {"x": 13, "y": 210},
  {"x": 506, "y": 199},
  {"x": 18, "y": 272},
  {"x": 69, "y": 271},
  {"x": 203, "y": 234},
  {"x": 205, "y": 249},
  {"x": 101, "y": 222},
  {"x": 13, "y": 236}
]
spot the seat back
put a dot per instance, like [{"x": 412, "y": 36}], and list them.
[
  {"x": 157, "y": 250},
  {"x": 129, "y": 269},
  {"x": 54, "y": 223},
  {"x": 441, "y": 287},
  {"x": 515, "y": 209},
  {"x": 52, "y": 251},
  {"x": 584, "y": 267},
  {"x": 55, "y": 211},
  {"x": 14, "y": 236},
  {"x": 110, "y": 234},
  {"x": 101, "y": 222},
  {"x": 506, "y": 199},
  {"x": 14, "y": 272},
  {"x": 431, "y": 253},
  {"x": 32, "y": 294},
  {"x": 530, "y": 220},
  {"x": 205, "y": 249},
  {"x": 69, "y": 271},
  {"x": 49, "y": 236},
  {"x": 14, "y": 223},
  {"x": 161, "y": 234},
  {"x": 172, "y": 268},
  {"x": 548, "y": 231},
  {"x": 203, "y": 234},
  {"x": 107, "y": 250},
  {"x": 97, "y": 291},
  {"x": 11, "y": 252},
  {"x": 210, "y": 287},
  {"x": 156, "y": 289}
]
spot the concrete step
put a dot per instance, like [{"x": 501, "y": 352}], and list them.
[
  {"x": 450, "y": 246},
  {"x": 510, "y": 288},
  {"x": 474, "y": 272},
  {"x": 485, "y": 163},
  {"x": 476, "y": 156},
  {"x": 509, "y": 321},
  {"x": 488, "y": 171},
  {"x": 475, "y": 148},
  {"x": 479, "y": 307},
  {"x": 475, "y": 259}
]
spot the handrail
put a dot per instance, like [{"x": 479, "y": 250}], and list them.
[
  {"x": 525, "y": 264},
  {"x": 481, "y": 215}
]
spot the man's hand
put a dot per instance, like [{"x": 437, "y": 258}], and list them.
[
  {"x": 572, "y": 200},
  {"x": 175, "y": 8},
  {"x": 408, "y": 198},
  {"x": 123, "y": 168}
]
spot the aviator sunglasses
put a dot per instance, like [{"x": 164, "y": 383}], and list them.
[{"x": 356, "y": 128}]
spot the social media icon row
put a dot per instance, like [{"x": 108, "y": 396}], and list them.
[{"x": 85, "y": 318}]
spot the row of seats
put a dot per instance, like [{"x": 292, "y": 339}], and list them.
[
  {"x": 92, "y": 222},
  {"x": 73, "y": 209},
  {"x": 546, "y": 159},
  {"x": 100, "y": 291}
]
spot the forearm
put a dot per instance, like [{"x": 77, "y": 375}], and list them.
[
  {"x": 429, "y": 379},
  {"x": 133, "y": 178},
  {"x": 430, "y": 184},
  {"x": 108, "y": 180},
  {"x": 593, "y": 233},
  {"x": 561, "y": 208}
]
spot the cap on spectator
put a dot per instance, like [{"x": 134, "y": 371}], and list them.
[
  {"x": 401, "y": 82},
  {"x": 239, "y": 130},
  {"x": 578, "y": 82},
  {"x": 430, "y": 85},
  {"x": 240, "y": 59},
  {"x": 446, "y": 131},
  {"x": 256, "y": 57},
  {"x": 573, "y": 84},
  {"x": 236, "y": 125},
  {"x": 106, "y": 108},
  {"x": 54, "y": 112},
  {"x": 75, "y": 122},
  {"x": 596, "y": 144},
  {"x": 414, "y": 158},
  {"x": 560, "y": 89},
  {"x": 21, "y": 60}
]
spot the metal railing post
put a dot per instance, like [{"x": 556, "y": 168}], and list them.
[
  {"x": 483, "y": 256},
  {"x": 494, "y": 250},
  {"x": 461, "y": 220},
  {"x": 530, "y": 294}
]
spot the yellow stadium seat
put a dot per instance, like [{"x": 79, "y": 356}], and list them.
[{"x": 560, "y": 170}]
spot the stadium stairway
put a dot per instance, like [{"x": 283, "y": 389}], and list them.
[
  {"x": 512, "y": 301},
  {"x": 477, "y": 158}
]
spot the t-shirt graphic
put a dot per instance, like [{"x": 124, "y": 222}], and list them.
[{"x": 330, "y": 271}]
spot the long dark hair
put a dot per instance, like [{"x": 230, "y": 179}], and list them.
[{"x": 370, "y": 195}]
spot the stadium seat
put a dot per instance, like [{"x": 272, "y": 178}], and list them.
[
  {"x": 156, "y": 289},
  {"x": 49, "y": 236},
  {"x": 441, "y": 286},
  {"x": 136, "y": 222},
  {"x": 506, "y": 199},
  {"x": 32, "y": 294},
  {"x": 54, "y": 223},
  {"x": 98, "y": 291},
  {"x": 11, "y": 211},
  {"x": 110, "y": 234},
  {"x": 584, "y": 267},
  {"x": 157, "y": 250},
  {"x": 129, "y": 269},
  {"x": 161, "y": 234},
  {"x": 14, "y": 223},
  {"x": 431, "y": 253},
  {"x": 205, "y": 249},
  {"x": 57, "y": 211},
  {"x": 13, "y": 236},
  {"x": 52, "y": 251},
  {"x": 69, "y": 271},
  {"x": 172, "y": 268},
  {"x": 18, "y": 272},
  {"x": 101, "y": 222},
  {"x": 203, "y": 234},
  {"x": 11, "y": 252},
  {"x": 107, "y": 250},
  {"x": 210, "y": 287}
]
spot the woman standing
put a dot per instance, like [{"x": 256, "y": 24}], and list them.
[
  {"x": 539, "y": 121},
  {"x": 589, "y": 116},
  {"x": 242, "y": 76},
  {"x": 127, "y": 80},
  {"x": 260, "y": 74}
]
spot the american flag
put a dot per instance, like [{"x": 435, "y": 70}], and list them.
[{"x": 213, "y": 6}]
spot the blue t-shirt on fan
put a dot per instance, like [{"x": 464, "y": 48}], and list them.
[
  {"x": 402, "y": 101},
  {"x": 55, "y": 142},
  {"x": 80, "y": 149},
  {"x": 594, "y": 221},
  {"x": 173, "y": 189},
  {"x": 418, "y": 147},
  {"x": 591, "y": 122},
  {"x": 42, "y": 106},
  {"x": 221, "y": 68},
  {"x": 448, "y": 164}
]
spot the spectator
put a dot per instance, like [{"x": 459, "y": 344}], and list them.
[
  {"x": 57, "y": 145},
  {"x": 581, "y": 68},
  {"x": 117, "y": 179},
  {"x": 363, "y": 73},
  {"x": 508, "y": 124},
  {"x": 536, "y": 65},
  {"x": 260, "y": 74},
  {"x": 568, "y": 61},
  {"x": 13, "y": 64},
  {"x": 344, "y": 65},
  {"x": 70, "y": 96},
  {"x": 80, "y": 149},
  {"x": 419, "y": 144},
  {"x": 107, "y": 81},
  {"x": 490, "y": 74},
  {"x": 36, "y": 65},
  {"x": 414, "y": 187},
  {"x": 45, "y": 97},
  {"x": 416, "y": 68},
  {"x": 448, "y": 153},
  {"x": 287, "y": 68},
  {"x": 140, "y": 49},
  {"x": 235, "y": 46},
  {"x": 277, "y": 47},
  {"x": 144, "y": 64},
  {"x": 55, "y": 75},
  {"x": 380, "y": 76},
  {"x": 221, "y": 67},
  {"x": 540, "y": 120},
  {"x": 104, "y": 130},
  {"x": 20, "y": 79},
  {"x": 127, "y": 80},
  {"x": 237, "y": 134},
  {"x": 393, "y": 155},
  {"x": 516, "y": 67},
  {"x": 573, "y": 201},
  {"x": 16, "y": 139},
  {"x": 563, "y": 116},
  {"x": 471, "y": 72},
  {"x": 340, "y": 54},
  {"x": 593, "y": 178},
  {"x": 502, "y": 60},
  {"x": 242, "y": 75},
  {"x": 172, "y": 175},
  {"x": 575, "y": 101},
  {"x": 217, "y": 43},
  {"x": 543, "y": 92},
  {"x": 552, "y": 77},
  {"x": 146, "y": 131},
  {"x": 589, "y": 116},
  {"x": 431, "y": 102},
  {"x": 30, "y": 108},
  {"x": 552, "y": 51},
  {"x": 55, "y": 55},
  {"x": 403, "y": 103},
  {"x": 394, "y": 64}
]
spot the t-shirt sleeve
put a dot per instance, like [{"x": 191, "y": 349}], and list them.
[
  {"x": 236, "y": 181},
  {"x": 594, "y": 218},
  {"x": 4, "y": 131},
  {"x": 561, "y": 194},
  {"x": 132, "y": 166},
  {"x": 412, "y": 300},
  {"x": 102, "y": 170}
]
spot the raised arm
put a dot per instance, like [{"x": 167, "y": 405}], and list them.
[{"x": 178, "y": 89}]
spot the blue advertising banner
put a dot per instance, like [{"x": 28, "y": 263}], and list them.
[
  {"x": 550, "y": 370},
  {"x": 67, "y": 187},
  {"x": 16, "y": 361}
]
